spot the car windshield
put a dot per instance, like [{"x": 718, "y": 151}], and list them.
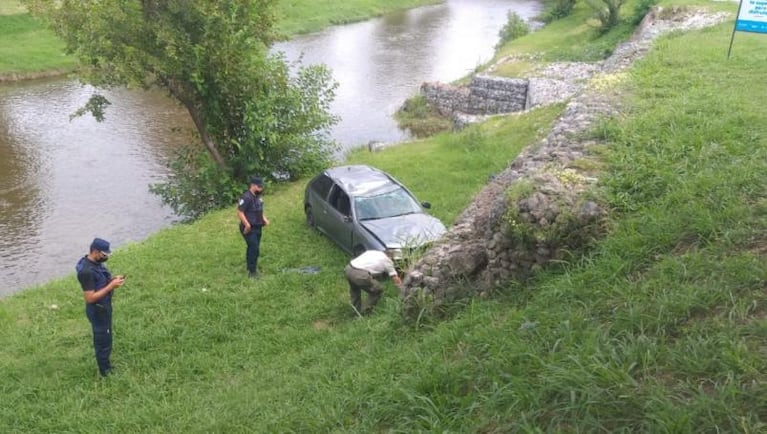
[{"x": 390, "y": 204}]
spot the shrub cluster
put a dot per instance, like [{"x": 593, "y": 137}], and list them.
[
  {"x": 557, "y": 10},
  {"x": 515, "y": 27}
]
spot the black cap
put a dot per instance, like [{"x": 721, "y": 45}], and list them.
[
  {"x": 100, "y": 245},
  {"x": 257, "y": 180}
]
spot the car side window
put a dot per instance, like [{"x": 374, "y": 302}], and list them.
[
  {"x": 340, "y": 201},
  {"x": 321, "y": 185}
]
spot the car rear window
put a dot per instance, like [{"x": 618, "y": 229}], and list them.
[{"x": 321, "y": 185}]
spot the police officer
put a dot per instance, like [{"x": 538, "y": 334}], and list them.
[
  {"x": 250, "y": 211},
  {"x": 98, "y": 284}
]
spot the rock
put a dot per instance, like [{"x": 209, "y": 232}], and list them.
[{"x": 475, "y": 246}]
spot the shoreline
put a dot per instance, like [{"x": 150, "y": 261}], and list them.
[{"x": 15, "y": 77}]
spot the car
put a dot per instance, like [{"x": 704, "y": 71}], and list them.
[{"x": 363, "y": 208}]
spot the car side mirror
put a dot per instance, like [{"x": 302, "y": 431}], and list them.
[{"x": 426, "y": 205}]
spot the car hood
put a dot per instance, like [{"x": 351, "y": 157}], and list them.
[{"x": 411, "y": 230}]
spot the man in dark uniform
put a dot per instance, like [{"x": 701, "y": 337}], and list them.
[
  {"x": 250, "y": 211},
  {"x": 97, "y": 283}
]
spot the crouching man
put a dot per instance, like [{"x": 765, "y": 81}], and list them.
[{"x": 363, "y": 273}]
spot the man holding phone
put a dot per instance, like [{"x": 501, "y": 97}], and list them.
[
  {"x": 250, "y": 213},
  {"x": 98, "y": 284}
]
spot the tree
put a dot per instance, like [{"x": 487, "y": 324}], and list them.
[
  {"x": 252, "y": 113},
  {"x": 558, "y": 9},
  {"x": 607, "y": 12},
  {"x": 515, "y": 28}
]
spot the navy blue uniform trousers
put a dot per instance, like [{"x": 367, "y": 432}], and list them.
[
  {"x": 100, "y": 317},
  {"x": 253, "y": 241}
]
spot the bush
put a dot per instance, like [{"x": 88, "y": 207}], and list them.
[
  {"x": 196, "y": 185},
  {"x": 641, "y": 9},
  {"x": 515, "y": 27},
  {"x": 560, "y": 9},
  {"x": 421, "y": 119},
  {"x": 607, "y": 12}
]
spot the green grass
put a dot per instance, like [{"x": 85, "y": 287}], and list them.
[
  {"x": 197, "y": 340},
  {"x": 304, "y": 16},
  {"x": 11, "y": 7},
  {"x": 28, "y": 48},
  {"x": 661, "y": 328},
  {"x": 577, "y": 38},
  {"x": 421, "y": 119},
  {"x": 448, "y": 169}
]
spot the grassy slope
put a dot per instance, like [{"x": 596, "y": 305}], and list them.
[
  {"x": 10, "y": 7},
  {"x": 662, "y": 328},
  {"x": 28, "y": 48},
  {"x": 294, "y": 18}
]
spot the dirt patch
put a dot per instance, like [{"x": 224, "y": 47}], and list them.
[{"x": 321, "y": 325}]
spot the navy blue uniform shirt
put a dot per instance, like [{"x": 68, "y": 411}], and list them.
[
  {"x": 253, "y": 207},
  {"x": 93, "y": 276}
]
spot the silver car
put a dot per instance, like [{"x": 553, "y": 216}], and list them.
[{"x": 363, "y": 208}]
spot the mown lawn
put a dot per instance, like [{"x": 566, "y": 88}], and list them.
[{"x": 29, "y": 48}]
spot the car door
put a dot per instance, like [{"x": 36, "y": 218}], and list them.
[
  {"x": 317, "y": 201},
  {"x": 337, "y": 218}
]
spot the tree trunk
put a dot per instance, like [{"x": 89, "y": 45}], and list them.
[{"x": 178, "y": 92}]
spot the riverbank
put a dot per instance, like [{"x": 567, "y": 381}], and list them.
[
  {"x": 40, "y": 134},
  {"x": 659, "y": 328},
  {"x": 28, "y": 50}
]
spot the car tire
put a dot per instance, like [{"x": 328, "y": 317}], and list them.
[{"x": 310, "y": 217}]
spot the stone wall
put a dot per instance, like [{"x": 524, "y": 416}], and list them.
[
  {"x": 485, "y": 95},
  {"x": 542, "y": 207},
  {"x": 534, "y": 212}
]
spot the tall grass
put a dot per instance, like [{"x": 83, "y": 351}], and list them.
[
  {"x": 198, "y": 347},
  {"x": 660, "y": 329}
]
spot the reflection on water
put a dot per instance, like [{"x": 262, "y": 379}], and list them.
[
  {"x": 19, "y": 192},
  {"x": 382, "y": 62},
  {"x": 63, "y": 182}
]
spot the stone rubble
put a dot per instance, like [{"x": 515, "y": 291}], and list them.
[{"x": 536, "y": 210}]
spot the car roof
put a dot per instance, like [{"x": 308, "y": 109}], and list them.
[{"x": 359, "y": 179}]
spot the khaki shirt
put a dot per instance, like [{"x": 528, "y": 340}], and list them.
[{"x": 374, "y": 262}]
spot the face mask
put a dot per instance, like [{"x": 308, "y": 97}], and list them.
[{"x": 104, "y": 259}]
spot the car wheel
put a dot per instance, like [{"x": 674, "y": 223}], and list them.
[{"x": 309, "y": 216}]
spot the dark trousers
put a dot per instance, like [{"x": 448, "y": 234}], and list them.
[
  {"x": 253, "y": 241},
  {"x": 100, "y": 317},
  {"x": 361, "y": 280}
]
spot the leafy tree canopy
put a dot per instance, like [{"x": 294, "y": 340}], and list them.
[{"x": 253, "y": 113}]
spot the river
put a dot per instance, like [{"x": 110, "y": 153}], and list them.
[{"x": 64, "y": 181}]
